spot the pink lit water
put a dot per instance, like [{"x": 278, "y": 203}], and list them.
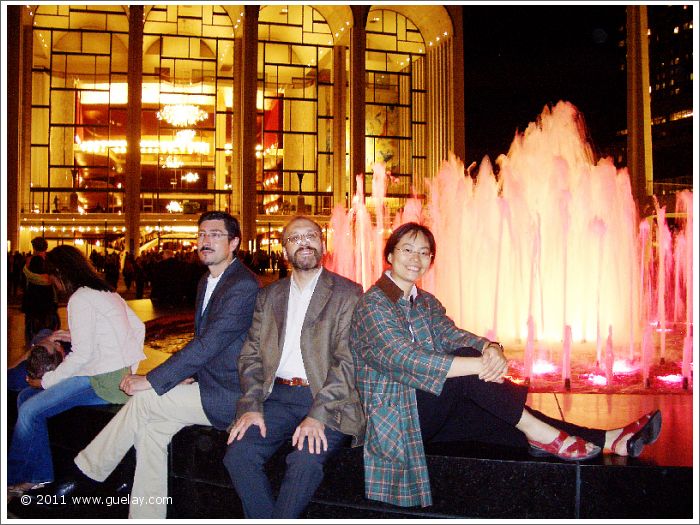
[{"x": 549, "y": 257}]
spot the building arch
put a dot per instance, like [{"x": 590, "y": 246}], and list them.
[
  {"x": 417, "y": 129},
  {"x": 431, "y": 20},
  {"x": 295, "y": 111}
]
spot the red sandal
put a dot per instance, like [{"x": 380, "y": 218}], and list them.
[
  {"x": 575, "y": 451},
  {"x": 644, "y": 431}
]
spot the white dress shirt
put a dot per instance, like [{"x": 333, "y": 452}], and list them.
[
  {"x": 211, "y": 284},
  {"x": 291, "y": 364}
]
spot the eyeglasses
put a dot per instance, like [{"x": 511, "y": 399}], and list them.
[
  {"x": 214, "y": 236},
  {"x": 298, "y": 239},
  {"x": 408, "y": 252}
]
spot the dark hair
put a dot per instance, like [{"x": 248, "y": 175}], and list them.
[
  {"x": 42, "y": 360},
  {"x": 39, "y": 244},
  {"x": 407, "y": 229},
  {"x": 230, "y": 223},
  {"x": 74, "y": 270},
  {"x": 37, "y": 264},
  {"x": 298, "y": 218}
]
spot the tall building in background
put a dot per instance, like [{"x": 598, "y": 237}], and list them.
[
  {"x": 670, "y": 67},
  {"x": 671, "y": 88}
]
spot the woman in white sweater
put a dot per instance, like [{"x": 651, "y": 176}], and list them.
[{"x": 107, "y": 343}]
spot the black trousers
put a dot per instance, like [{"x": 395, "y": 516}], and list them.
[{"x": 469, "y": 409}]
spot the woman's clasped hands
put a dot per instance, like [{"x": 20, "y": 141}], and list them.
[{"x": 494, "y": 364}]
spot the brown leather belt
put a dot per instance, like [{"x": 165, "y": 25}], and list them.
[{"x": 295, "y": 381}]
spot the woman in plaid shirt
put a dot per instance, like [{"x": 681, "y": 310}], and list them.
[{"x": 422, "y": 379}]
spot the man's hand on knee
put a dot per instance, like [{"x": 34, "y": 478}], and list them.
[
  {"x": 313, "y": 430},
  {"x": 243, "y": 423}
]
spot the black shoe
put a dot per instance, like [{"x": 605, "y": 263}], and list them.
[
  {"x": 649, "y": 428},
  {"x": 40, "y": 494},
  {"x": 78, "y": 484},
  {"x": 123, "y": 488}
]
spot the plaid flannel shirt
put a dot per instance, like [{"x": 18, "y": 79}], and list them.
[{"x": 398, "y": 348}]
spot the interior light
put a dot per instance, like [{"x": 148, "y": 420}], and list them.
[{"x": 182, "y": 115}]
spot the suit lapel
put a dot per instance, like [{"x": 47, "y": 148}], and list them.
[
  {"x": 279, "y": 310},
  {"x": 200, "y": 299},
  {"x": 322, "y": 293},
  {"x": 230, "y": 269}
]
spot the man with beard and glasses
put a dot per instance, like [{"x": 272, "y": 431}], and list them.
[
  {"x": 198, "y": 385},
  {"x": 297, "y": 379}
]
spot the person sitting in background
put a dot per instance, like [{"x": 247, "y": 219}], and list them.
[
  {"x": 17, "y": 369},
  {"x": 43, "y": 358},
  {"x": 422, "y": 379},
  {"x": 107, "y": 343}
]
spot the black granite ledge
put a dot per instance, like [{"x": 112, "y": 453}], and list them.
[{"x": 468, "y": 480}]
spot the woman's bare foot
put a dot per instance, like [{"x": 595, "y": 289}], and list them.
[
  {"x": 631, "y": 439},
  {"x": 621, "y": 446}
]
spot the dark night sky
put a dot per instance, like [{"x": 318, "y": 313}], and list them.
[{"x": 519, "y": 58}]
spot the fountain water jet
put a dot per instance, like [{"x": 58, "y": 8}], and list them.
[
  {"x": 553, "y": 214},
  {"x": 663, "y": 246},
  {"x": 566, "y": 358},
  {"x": 609, "y": 357},
  {"x": 684, "y": 262}
]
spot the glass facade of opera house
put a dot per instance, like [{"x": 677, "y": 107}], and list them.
[{"x": 135, "y": 119}]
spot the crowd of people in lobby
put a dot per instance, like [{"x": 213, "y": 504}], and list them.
[{"x": 149, "y": 275}]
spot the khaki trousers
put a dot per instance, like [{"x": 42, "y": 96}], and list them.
[{"x": 147, "y": 422}]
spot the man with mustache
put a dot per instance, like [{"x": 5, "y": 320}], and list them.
[
  {"x": 169, "y": 397},
  {"x": 297, "y": 380}
]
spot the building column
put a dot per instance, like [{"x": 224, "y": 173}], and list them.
[
  {"x": 339, "y": 98},
  {"x": 132, "y": 197},
  {"x": 247, "y": 119},
  {"x": 236, "y": 131},
  {"x": 456, "y": 86},
  {"x": 14, "y": 131},
  {"x": 358, "y": 44},
  {"x": 639, "y": 147},
  {"x": 25, "y": 136}
]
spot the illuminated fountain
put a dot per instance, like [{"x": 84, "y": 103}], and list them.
[{"x": 550, "y": 257}]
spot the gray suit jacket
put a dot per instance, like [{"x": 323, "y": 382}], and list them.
[
  {"x": 212, "y": 355},
  {"x": 324, "y": 349}
]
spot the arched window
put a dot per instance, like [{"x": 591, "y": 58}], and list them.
[
  {"x": 79, "y": 102},
  {"x": 395, "y": 112},
  {"x": 187, "y": 117},
  {"x": 79, "y": 58},
  {"x": 295, "y": 117}
]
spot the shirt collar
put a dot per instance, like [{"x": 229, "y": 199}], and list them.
[
  {"x": 311, "y": 284},
  {"x": 210, "y": 276},
  {"x": 392, "y": 290}
]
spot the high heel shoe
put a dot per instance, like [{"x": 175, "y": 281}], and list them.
[
  {"x": 574, "y": 451},
  {"x": 644, "y": 431}
]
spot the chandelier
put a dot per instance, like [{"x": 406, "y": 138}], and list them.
[
  {"x": 172, "y": 162},
  {"x": 182, "y": 115},
  {"x": 174, "y": 207},
  {"x": 190, "y": 177}
]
